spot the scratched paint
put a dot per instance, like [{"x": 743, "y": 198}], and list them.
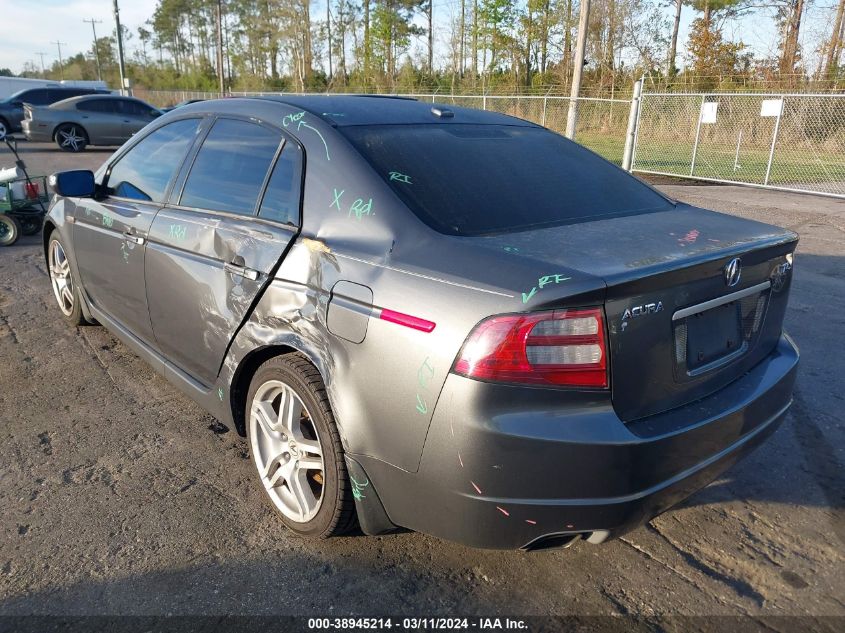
[
  {"x": 689, "y": 238},
  {"x": 511, "y": 249},
  {"x": 220, "y": 394},
  {"x": 503, "y": 511},
  {"x": 358, "y": 487},
  {"x": 398, "y": 176},
  {"x": 124, "y": 253},
  {"x": 542, "y": 282}
]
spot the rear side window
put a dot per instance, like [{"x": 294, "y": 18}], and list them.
[
  {"x": 230, "y": 167},
  {"x": 281, "y": 199},
  {"x": 108, "y": 106},
  {"x": 35, "y": 97},
  {"x": 478, "y": 179},
  {"x": 144, "y": 172},
  {"x": 134, "y": 108}
]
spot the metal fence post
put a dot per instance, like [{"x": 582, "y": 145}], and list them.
[
  {"x": 774, "y": 140},
  {"x": 697, "y": 134},
  {"x": 633, "y": 123}
]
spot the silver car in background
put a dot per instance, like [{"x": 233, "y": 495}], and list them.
[{"x": 89, "y": 120}]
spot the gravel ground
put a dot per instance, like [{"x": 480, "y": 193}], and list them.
[{"x": 119, "y": 495}]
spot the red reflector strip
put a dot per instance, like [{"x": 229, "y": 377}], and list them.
[{"x": 415, "y": 323}]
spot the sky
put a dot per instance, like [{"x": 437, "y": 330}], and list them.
[{"x": 37, "y": 24}]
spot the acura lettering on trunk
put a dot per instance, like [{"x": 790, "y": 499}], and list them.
[{"x": 434, "y": 318}]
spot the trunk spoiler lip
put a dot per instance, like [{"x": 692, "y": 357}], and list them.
[{"x": 681, "y": 262}]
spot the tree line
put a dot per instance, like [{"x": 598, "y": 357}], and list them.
[{"x": 461, "y": 46}]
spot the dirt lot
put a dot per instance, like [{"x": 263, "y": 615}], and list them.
[{"x": 121, "y": 496}]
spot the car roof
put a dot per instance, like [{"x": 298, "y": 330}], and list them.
[{"x": 348, "y": 110}]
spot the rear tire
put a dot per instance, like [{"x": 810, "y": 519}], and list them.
[
  {"x": 4, "y": 128},
  {"x": 10, "y": 230},
  {"x": 296, "y": 448},
  {"x": 71, "y": 137},
  {"x": 31, "y": 225}
]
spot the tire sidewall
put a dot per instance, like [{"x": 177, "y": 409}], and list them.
[
  {"x": 76, "y": 317},
  {"x": 281, "y": 369},
  {"x": 13, "y": 230}
]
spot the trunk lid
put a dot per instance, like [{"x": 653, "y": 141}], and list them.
[{"x": 678, "y": 330}]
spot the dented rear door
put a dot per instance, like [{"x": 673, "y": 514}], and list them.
[{"x": 210, "y": 255}]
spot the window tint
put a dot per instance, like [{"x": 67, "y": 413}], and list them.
[
  {"x": 281, "y": 200},
  {"x": 144, "y": 172},
  {"x": 57, "y": 94},
  {"x": 134, "y": 108},
  {"x": 230, "y": 167},
  {"x": 475, "y": 179},
  {"x": 35, "y": 97},
  {"x": 108, "y": 106}
]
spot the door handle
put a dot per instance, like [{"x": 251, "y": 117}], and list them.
[
  {"x": 133, "y": 238},
  {"x": 242, "y": 271}
]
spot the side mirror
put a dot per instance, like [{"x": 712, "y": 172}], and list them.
[{"x": 78, "y": 183}]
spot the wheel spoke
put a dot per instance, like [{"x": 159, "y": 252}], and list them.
[
  {"x": 310, "y": 463},
  {"x": 264, "y": 414},
  {"x": 309, "y": 447},
  {"x": 281, "y": 475},
  {"x": 290, "y": 411},
  {"x": 301, "y": 491},
  {"x": 67, "y": 296}
]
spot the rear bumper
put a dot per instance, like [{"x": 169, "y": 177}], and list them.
[
  {"x": 38, "y": 133},
  {"x": 507, "y": 467}
]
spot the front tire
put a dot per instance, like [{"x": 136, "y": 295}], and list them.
[
  {"x": 65, "y": 290},
  {"x": 10, "y": 230},
  {"x": 71, "y": 137},
  {"x": 296, "y": 448},
  {"x": 31, "y": 225}
]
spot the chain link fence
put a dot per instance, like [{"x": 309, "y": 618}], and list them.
[{"x": 784, "y": 141}]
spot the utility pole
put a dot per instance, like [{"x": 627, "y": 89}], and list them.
[
  {"x": 578, "y": 67},
  {"x": 121, "y": 64},
  {"x": 61, "y": 63},
  {"x": 92, "y": 22},
  {"x": 43, "y": 72},
  {"x": 329, "y": 29},
  {"x": 220, "y": 77}
]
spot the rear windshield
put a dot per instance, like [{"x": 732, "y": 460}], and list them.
[{"x": 480, "y": 179}]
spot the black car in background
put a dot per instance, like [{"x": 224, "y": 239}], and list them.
[{"x": 11, "y": 108}]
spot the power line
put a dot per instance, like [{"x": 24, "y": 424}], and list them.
[{"x": 92, "y": 22}]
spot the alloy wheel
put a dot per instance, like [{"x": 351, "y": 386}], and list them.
[
  {"x": 60, "y": 277},
  {"x": 287, "y": 451},
  {"x": 71, "y": 138}
]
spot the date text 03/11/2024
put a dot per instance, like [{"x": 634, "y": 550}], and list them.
[{"x": 417, "y": 623}]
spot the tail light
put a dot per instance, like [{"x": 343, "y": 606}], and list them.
[{"x": 562, "y": 348}]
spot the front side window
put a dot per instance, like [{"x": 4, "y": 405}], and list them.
[
  {"x": 230, "y": 167},
  {"x": 281, "y": 200},
  {"x": 145, "y": 171}
]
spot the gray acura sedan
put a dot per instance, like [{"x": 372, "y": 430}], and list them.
[{"x": 428, "y": 317}]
